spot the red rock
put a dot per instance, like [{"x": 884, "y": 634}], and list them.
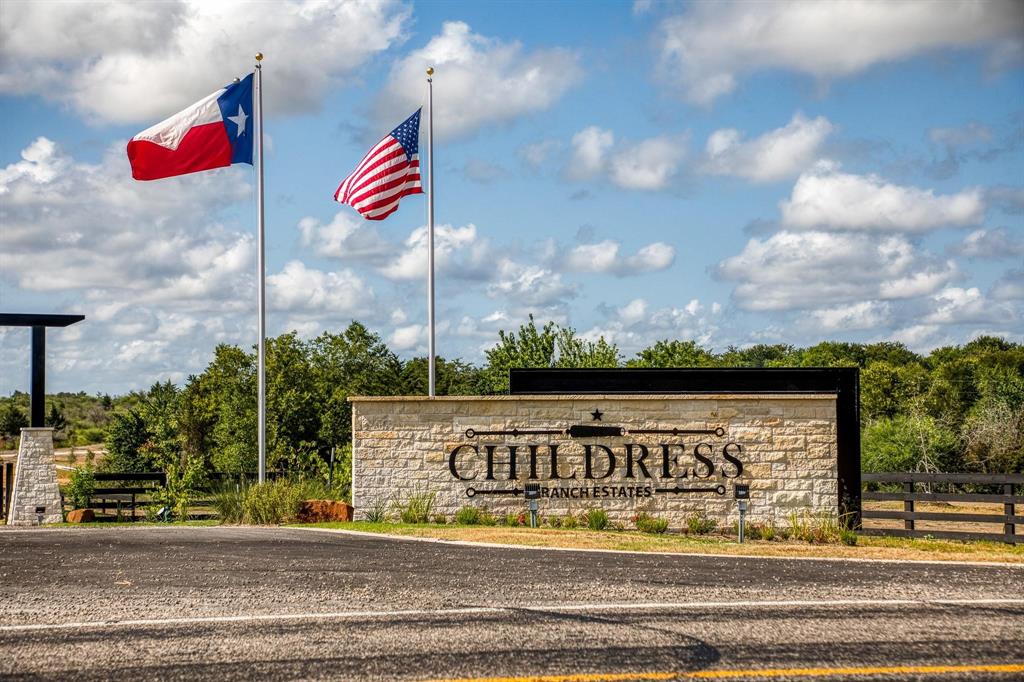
[
  {"x": 315, "y": 511},
  {"x": 81, "y": 516}
]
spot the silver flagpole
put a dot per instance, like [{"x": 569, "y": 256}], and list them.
[
  {"x": 261, "y": 371},
  {"x": 430, "y": 230}
]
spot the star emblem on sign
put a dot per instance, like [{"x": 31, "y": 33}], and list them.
[
  {"x": 597, "y": 415},
  {"x": 239, "y": 121}
]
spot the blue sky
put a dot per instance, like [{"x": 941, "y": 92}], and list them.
[{"x": 732, "y": 173}]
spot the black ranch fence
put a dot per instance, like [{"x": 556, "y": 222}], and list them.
[
  {"x": 1005, "y": 489},
  {"x": 133, "y": 485}
]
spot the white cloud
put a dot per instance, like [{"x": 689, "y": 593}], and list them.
[
  {"x": 300, "y": 289},
  {"x": 1009, "y": 287},
  {"x": 998, "y": 243},
  {"x": 709, "y": 48},
  {"x": 69, "y": 225},
  {"x": 530, "y": 285},
  {"x": 590, "y": 147},
  {"x": 954, "y": 305},
  {"x": 636, "y": 324},
  {"x": 814, "y": 269},
  {"x": 484, "y": 80},
  {"x": 458, "y": 252},
  {"x": 651, "y": 164},
  {"x": 408, "y": 337},
  {"x": 134, "y": 62},
  {"x": 345, "y": 237},
  {"x": 861, "y": 315},
  {"x": 603, "y": 257},
  {"x": 826, "y": 198},
  {"x": 776, "y": 155}
]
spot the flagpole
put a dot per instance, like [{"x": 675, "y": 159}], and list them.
[
  {"x": 261, "y": 353},
  {"x": 432, "y": 369}
]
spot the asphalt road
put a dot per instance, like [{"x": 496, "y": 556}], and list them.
[{"x": 243, "y": 603}]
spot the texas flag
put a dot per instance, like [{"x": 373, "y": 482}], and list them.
[{"x": 214, "y": 132}]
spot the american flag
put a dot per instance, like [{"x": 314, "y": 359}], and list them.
[{"x": 388, "y": 172}]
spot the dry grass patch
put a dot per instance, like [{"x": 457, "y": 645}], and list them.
[{"x": 866, "y": 548}]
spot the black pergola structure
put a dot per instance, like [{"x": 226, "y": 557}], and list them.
[
  {"x": 39, "y": 323},
  {"x": 844, "y": 382}
]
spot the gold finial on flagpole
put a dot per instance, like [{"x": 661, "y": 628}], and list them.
[
  {"x": 430, "y": 71},
  {"x": 259, "y": 56}
]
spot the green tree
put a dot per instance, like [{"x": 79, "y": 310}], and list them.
[
  {"x": 579, "y": 353},
  {"x": 355, "y": 362},
  {"x": 915, "y": 442},
  {"x": 759, "y": 355},
  {"x": 833, "y": 354},
  {"x": 159, "y": 411},
  {"x": 888, "y": 390},
  {"x": 12, "y": 421},
  {"x": 674, "y": 354},
  {"x": 454, "y": 377},
  {"x": 530, "y": 347},
  {"x": 127, "y": 439}
]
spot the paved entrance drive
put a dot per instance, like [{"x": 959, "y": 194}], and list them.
[{"x": 277, "y": 603}]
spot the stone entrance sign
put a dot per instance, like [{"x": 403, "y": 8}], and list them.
[
  {"x": 671, "y": 455},
  {"x": 36, "y": 497}
]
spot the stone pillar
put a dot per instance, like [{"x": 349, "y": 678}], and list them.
[{"x": 35, "y": 481}]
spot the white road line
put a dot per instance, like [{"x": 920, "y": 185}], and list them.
[{"x": 630, "y": 607}]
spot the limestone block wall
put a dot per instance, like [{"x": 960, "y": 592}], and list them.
[
  {"x": 35, "y": 480},
  {"x": 785, "y": 445}
]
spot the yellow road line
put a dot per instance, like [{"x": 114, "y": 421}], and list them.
[{"x": 763, "y": 672}]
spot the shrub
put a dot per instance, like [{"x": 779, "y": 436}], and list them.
[
  {"x": 570, "y": 521},
  {"x": 848, "y": 537},
  {"x": 487, "y": 518},
  {"x": 80, "y": 487},
  {"x": 378, "y": 513},
  {"x": 180, "y": 488},
  {"x": 272, "y": 502},
  {"x": 439, "y": 519},
  {"x": 417, "y": 509},
  {"x": 467, "y": 516},
  {"x": 597, "y": 518},
  {"x": 646, "y": 523},
  {"x": 699, "y": 523},
  {"x": 552, "y": 521},
  {"x": 229, "y": 503}
]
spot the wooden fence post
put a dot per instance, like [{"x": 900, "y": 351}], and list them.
[
  {"x": 1008, "y": 509},
  {"x": 908, "y": 505}
]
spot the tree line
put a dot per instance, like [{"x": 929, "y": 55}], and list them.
[{"x": 958, "y": 408}]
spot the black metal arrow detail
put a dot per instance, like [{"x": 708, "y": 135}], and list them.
[
  {"x": 472, "y": 492},
  {"x": 720, "y": 490},
  {"x": 595, "y": 431},
  {"x": 473, "y": 433},
  {"x": 681, "y": 432}
]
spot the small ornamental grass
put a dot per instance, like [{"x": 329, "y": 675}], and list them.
[
  {"x": 417, "y": 509},
  {"x": 475, "y": 516},
  {"x": 818, "y": 529},
  {"x": 596, "y": 519},
  {"x": 378, "y": 513},
  {"x": 645, "y": 523},
  {"x": 699, "y": 524},
  {"x": 272, "y": 502}
]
